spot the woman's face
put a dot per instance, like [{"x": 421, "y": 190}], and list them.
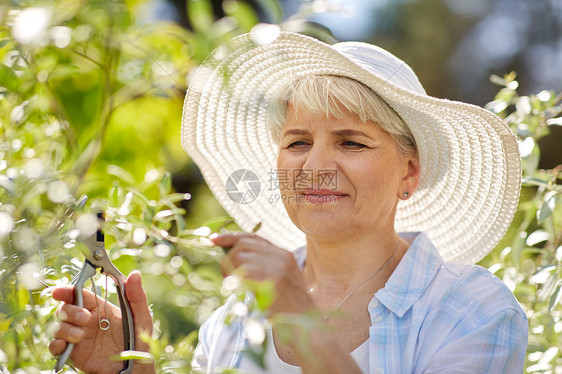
[{"x": 341, "y": 176}]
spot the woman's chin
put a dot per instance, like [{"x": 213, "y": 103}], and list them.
[{"x": 322, "y": 223}]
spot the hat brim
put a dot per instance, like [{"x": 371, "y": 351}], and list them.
[{"x": 470, "y": 166}]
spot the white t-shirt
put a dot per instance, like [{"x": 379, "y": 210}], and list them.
[{"x": 274, "y": 364}]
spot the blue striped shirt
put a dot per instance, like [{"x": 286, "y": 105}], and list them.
[{"x": 431, "y": 317}]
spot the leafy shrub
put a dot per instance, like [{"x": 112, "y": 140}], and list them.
[
  {"x": 529, "y": 257},
  {"x": 83, "y": 87}
]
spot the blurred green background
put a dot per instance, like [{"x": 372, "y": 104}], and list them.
[{"x": 91, "y": 96}]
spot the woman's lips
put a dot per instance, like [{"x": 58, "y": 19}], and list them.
[
  {"x": 321, "y": 196},
  {"x": 321, "y": 192}
]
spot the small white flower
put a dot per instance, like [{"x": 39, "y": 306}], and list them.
[
  {"x": 87, "y": 224},
  {"x": 239, "y": 309},
  {"x": 6, "y": 224},
  {"x": 265, "y": 33},
  {"x": 139, "y": 236},
  {"x": 151, "y": 175},
  {"x": 231, "y": 282},
  {"x": 526, "y": 147},
  {"x": 34, "y": 168},
  {"x": 162, "y": 250},
  {"x": 202, "y": 231},
  {"x": 124, "y": 209},
  {"x": 30, "y": 276},
  {"x": 254, "y": 331},
  {"x": 61, "y": 36},
  {"x": 58, "y": 192},
  {"x": 31, "y": 25}
]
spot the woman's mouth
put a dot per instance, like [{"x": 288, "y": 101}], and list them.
[{"x": 321, "y": 196}]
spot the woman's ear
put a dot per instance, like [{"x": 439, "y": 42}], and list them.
[{"x": 410, "y": 176}]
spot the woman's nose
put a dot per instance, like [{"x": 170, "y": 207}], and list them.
[
  {"x": 319, "y": 157},
  {"x": 319, "y": 169}
]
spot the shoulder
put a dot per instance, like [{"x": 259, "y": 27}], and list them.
[
  {"x": 464, "y": 309},
  {"x": 470, "y": 287},
  {"x": 467, "y": 300}
]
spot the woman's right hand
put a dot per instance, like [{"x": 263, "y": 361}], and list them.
[{"x": 93, "y": 347}]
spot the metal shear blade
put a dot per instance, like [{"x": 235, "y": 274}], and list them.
[{"x": 98, "y": 258}]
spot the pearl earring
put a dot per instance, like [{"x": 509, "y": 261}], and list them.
[{"x": 406, "y": 194}]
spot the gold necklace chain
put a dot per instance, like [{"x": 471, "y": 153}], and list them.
[{"x": 362, "y": 283}]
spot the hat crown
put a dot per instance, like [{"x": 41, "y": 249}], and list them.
[{"x": 382, "y": 63}]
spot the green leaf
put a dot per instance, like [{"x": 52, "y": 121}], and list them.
[
  {"x": 242, "y": 12},
  {"x": 216, "y": 224},
  {"x": 547, "y": 206},
  {"x": 537, "y": 237},
  {"x": 534, "y": 182},
  {"x": 122, "y": 174},
  {"x": 134, "y": 355},
  {"x": 265, "y": 295},
  {"x": 555, "y": 298},
  {"x": 549, "y": 285},
  {"x": 9, "y": 186},
  {"x": 114, "y": 195},
  {"x": 8, "y": 78},
  {"x": 165, "y": 185},
  {"x": 496, "y": 79},
  {"x": 164, "y": 215},
  {"x": 200, "y": 14},
  {"x": 84, "y": 161},
  {"x": 126, "y": 263},
  {"x": 256, "y": 228},
  {"x": 497, "y": 106},
  {"x": 517, "y": 246},
  {"x": 530, "y": 157},
  {"x": 554, "y": 121},
  {"x": 180, "y": 222},
  {"x": 506, "y": 94}
]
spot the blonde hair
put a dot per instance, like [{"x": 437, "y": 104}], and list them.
[{"x": 334, "y": 95}]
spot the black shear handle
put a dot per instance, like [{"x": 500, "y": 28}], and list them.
[
  {"x": 126, "y": 317},
  {"x": 88, "y": 271}
]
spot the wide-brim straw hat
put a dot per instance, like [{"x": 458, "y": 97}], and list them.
[{"x": 470, "y": 174}]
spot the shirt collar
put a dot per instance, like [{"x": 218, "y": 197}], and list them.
[{"x": 412, "y": 276}]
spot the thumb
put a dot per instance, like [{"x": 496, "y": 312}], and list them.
[{"x": 139, "y": 304}]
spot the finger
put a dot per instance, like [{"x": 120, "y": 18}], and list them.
[
  {"x": 69, "y": 333},
  {"x": 63, "y": 293},
  {"x": 251, "y": 271},
  {"x": 57, "y": 346},
  {"x": 139, "y": 304},
  {"x": 241, "y": 256},
  {"x": 66, "y": 294},
  {"x": 229, "y": 240},
  {"x": 74, "y": 314}
]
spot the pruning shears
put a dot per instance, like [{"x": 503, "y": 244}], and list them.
[{"x": 97, "y": 258}]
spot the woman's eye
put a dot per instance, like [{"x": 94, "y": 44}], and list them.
[
  {"x": 298, "y": 144},
  {"x": 352, "y": 144}
]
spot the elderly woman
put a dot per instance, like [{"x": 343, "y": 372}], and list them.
[{"x": 374, "y": 199}]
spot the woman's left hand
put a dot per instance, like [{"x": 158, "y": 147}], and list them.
[{"x": 258, "y": 259}]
